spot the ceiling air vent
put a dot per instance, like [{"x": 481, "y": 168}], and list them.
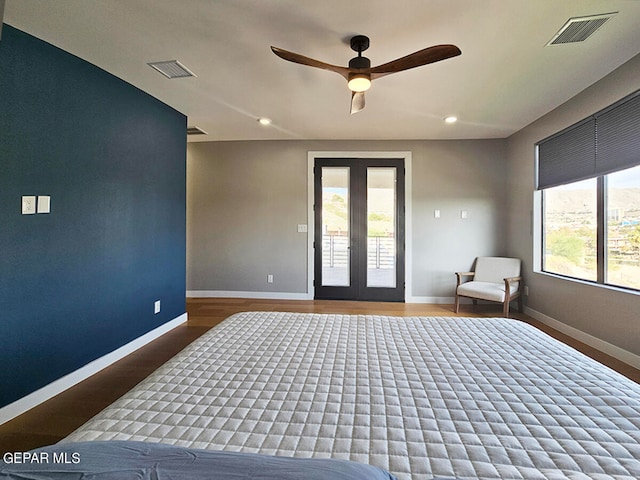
[
  {"x": 172, "y": 69},
  {"x": 195, "y": 131},
  {"x": 578, "y": 29}
]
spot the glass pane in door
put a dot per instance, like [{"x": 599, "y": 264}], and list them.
[
  {"x": 381, "y": 227},
  {"x": 335, "y": 227}
]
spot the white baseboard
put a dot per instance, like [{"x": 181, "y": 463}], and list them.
[
  {"x": 240, "y": 294},
  {"x": 616, "y": 352},
  {"x": 49, "y": 391}
]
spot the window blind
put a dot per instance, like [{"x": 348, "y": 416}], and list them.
[
  {"x": 603, "y": 143},
  {"x": 618, "y": 136},
  {"x": 568, "y": 156}
]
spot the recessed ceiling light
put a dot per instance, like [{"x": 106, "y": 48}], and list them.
[
  {"x": 264, "y": 121},
  {"x": 451, "y": 119}
]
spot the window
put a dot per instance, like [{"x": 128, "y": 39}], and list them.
[
  {"x": 570, "y": 230},
  {"x": 589, "y": 178},
  {"x": 571, "y": 224},
  {"x": 623, "y": 228}
]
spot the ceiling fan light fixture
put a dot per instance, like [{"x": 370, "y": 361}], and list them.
[
  {"x": 451, "y": 119},
  {"x": 264, "y": 121},
  {"x": 359, "y": 82}
]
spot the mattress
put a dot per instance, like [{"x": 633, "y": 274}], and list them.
[{"x": 419, "y": 397}]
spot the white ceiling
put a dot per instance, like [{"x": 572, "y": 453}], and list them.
[{"x": 505, "y": 78}]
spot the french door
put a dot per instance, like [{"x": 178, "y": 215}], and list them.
[{"x": 359, "y": 229}]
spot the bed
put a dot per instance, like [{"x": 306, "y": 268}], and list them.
[{"x": 420, "y": 397}]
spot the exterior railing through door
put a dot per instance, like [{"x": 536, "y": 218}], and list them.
[{"x": 381, "y": 258}]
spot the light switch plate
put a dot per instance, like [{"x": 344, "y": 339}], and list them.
[
  {"x": 302, "y": 228},
  {"x": 44, "y": 204},
  {"x": 28, "y": 205},
  {"x": 464, "y": 214}
]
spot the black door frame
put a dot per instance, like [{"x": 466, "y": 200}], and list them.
[{"x": 357, "y": 289}]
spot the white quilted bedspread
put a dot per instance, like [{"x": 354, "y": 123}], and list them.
[{"x": 420, "y": 397}]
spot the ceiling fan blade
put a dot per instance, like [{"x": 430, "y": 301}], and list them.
[
  {"x": 416, "y": 59},
  {"x": 357, "y": 102},
  {"x": 302, "y": 60}
]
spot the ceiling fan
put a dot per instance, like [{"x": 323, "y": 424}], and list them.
[{"x": 359, "y": 73}]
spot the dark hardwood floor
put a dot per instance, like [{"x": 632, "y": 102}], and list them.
[{"x": 58, "y": 417}]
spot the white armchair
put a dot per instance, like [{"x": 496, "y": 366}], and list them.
[{"x": 496, "y": 279}]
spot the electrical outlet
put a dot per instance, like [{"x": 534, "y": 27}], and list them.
[
  {"x": 28, "y": 205},
  {"x": 526, "y": 290},
  {"x": 270, "y": 278},
  {"x": 156, "y": 307}
]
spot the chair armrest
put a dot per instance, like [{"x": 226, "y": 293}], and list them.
[
  {"x": 509, "y": 280},
  {"x": 459, "y": 276}
]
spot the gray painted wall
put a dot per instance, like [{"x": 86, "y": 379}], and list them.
[
  {"x": 245, "y": 200},
  {"x": 609, "y": 315}
]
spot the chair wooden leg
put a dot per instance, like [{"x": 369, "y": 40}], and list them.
[
  {"x": 457, "y": 304},
  {"x": 505, "y": 310},
  {"x": 507, "y": 301}
]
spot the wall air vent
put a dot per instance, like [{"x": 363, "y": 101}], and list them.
[
  {"x": 195, "y": 131},
  {"x": 578, "y": 29},
  {"x": 172, "y": 69}
]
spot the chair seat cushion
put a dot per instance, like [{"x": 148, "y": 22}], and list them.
[{"x": 485, "y": 290}]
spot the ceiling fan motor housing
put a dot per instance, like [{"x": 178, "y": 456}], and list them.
[
  {"x": 359, "y": 62},
  {"x": 359, "y": 43}
]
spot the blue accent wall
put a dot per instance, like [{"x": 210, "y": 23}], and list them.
[{"x": 81, "y": 281}]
